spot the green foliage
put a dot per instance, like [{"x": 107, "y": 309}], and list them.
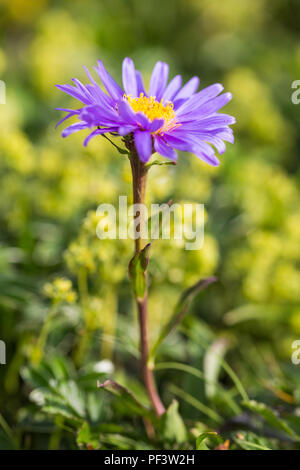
[
  {"x": 270, "y": 417},
  {"x": 210, "y": 436},
  {"x": 67, "y": 316},
  {"x": 173, "y": 426},
  {"x": 179, "y": 312}
]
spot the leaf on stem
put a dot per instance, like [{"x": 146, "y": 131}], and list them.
[
  {"x": 179, "y": 312},
  {"x": 158, "y": 162},
  {"x": 173, "y": 427},
  {"x": 119, "y": 149},
  {"x": 137, "y": 272},
  {"x": 127, "y": 398}
]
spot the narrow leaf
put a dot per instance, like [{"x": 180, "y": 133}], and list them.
[
  {"x": 269, "y": 415},
  {"x": 119, "y": 149},
  {"x": 158, "y": 162},
  {"x": 179, "y": 312},
  {"x": 127, "y": 397},
  {"x": 212, "y": 364}
]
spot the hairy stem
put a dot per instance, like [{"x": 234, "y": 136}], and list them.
[{"x": 139, "y": 177}]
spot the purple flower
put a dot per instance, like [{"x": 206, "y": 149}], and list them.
[{"x": 169, "y": 117}]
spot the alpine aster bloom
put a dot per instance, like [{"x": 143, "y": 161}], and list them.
[{"x": 169, "y": 117}]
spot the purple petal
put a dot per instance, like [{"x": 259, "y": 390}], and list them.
[
  {"x": 217, "y": 142},
  {"x": 73, "y": 91},
  {"x": 200, "y": 149},
  {"x": 208, "y": 108},
  {"x": 210, "y": 159},
  {"x": 159, "y": 80},
  {"x": 178, "y": 143},
  {"x": 202, "y": 97},
  {"x": 140, "y": 83},
  {"x": 96, "y": 115},
  {"x": 164, "y": 149},
  {"x": 143, "y": 144},
  {"x": 172, "y": 88},
  {"x": 98, "y": 132},
  {"x": 190, "y": 143},
  {"x": 147, "y": 125},
  {"x": 213, "y": 136},
  {"x": 89, "y": 75},
  {"x": 142, "y": 119},
  {"x": 78, "y": 126},
  {"x": 178, "y": 103},
  {"x": 189, "y": 88},
  {"x": 126, "y": 129},
  {"x": 216, "y": 121},
  {"x": 110, "y": 84},
  {"x": 99, "y": 97},
  {"x": 71, "y": 113},
  {"x": 156, "y": 124},
  {"x": 225, "y": 134},
  {"x": 69, "y": 110},
  {"x": 126, "y": 112},
  {"x": 212, "y": 139},
  {"x": 82, "y": 89},
  {"x": 129, "y": 77},
  {"x": 202, "y": 137}
]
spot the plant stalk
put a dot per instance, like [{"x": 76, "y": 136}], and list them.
[{"x": 139, "y": 178}]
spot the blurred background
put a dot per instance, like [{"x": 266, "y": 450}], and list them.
[{"x": 67, "y": 316}]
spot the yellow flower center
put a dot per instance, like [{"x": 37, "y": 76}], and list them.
[{"x": 153, "y": 110}]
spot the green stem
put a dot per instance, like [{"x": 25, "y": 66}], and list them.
[{"x": 38, "y": 350}]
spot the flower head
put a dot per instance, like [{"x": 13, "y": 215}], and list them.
[
  {"x": 60, "y": 290},
  {"x": 169, "y": 117}
]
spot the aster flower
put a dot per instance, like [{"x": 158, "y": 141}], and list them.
[{"x": 169, "y": 117}]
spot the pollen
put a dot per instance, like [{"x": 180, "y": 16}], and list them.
[{"x": 153, "y": 109}]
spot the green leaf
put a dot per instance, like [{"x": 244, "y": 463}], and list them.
[
  {"x": 86, "y": 438},
  {"x": 66, "y": 400},
  {"x": 58, "y": 408},
  {"x": 137, "y": 272},
  {"x": 269, "y": 415},
  {"x": 211, "y": 436},
  {"x": 249, "y": 441},
  {"x": 212, "y": 364},
  {"x": 119, "y": 149},
  {"x": 36, "y": 376},
  {"x": 158, "y": 162},
  {"x": 179, "y": 312},
  {"x": 127, "y": 398},
  {"x": 60, "y": 367},
  {"x": 195, "y": 403},
  {"x": 7, "y": 440},
  {"x": 173, "y": 427},
  {"x": 73, "y": 396},
  {"x": 6, "y": 443}
]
